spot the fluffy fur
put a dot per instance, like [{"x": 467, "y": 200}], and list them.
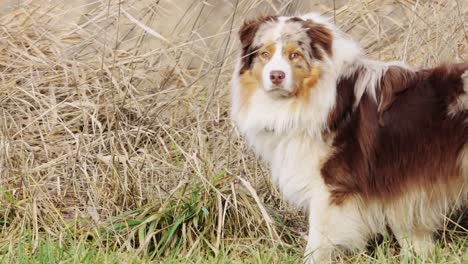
[{"x": 359, "y": 144}]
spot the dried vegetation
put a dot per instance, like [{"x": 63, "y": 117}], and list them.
[{"x": 115, "y": 130}]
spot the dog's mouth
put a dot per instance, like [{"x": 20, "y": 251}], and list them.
[{"x": 280, "y": 92}]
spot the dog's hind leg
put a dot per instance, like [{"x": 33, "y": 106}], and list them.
[{"x": 417, "y": 240}]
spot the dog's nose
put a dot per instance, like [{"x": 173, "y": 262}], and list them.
[{"x": 277, "y": 77}]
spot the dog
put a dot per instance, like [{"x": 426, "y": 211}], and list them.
[{"x": 360, "y": 145}]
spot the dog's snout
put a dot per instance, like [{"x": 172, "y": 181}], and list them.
[{"x": 277, "y": 77}]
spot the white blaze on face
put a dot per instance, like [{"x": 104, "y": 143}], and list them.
[{"x": 278, "y": 63}]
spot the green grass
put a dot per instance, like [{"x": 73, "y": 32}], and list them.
[
  {"x": 68, "y": 250},
  {"x": 184, "y": 229},
  {"x": 94, "y": 248}
]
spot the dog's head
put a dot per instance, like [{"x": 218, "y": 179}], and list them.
[
  {"x": 286, "y": 77},
  {"x": 280, "y": 54}
]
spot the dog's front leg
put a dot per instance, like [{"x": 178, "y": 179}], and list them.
[
  {"x": 333, "y": 227},
  {"x": 318, "y": 249}
]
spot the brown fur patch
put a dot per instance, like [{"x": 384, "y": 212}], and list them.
[
  {"x": 249, "y": 83},
  {"x": 270, "y": 48},
  {"x": 247, "y": 34},
  {"x": 251, "y": 79},
  {"x": 290, "y": 48},
  {"x": 463, "y": 161},
  {"x": 311, "y": 80},
  {"x": 395, "y": 82},
  {"x": 306, "y": 81},
  {"x": 419, "y": 148},
  {"x": 321, "y": 36},
  {"x": 344, "y": 103}
]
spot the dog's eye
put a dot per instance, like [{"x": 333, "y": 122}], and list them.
[
  {"x": 294, "y": 55},
  {"x": 265, "y": 54}
]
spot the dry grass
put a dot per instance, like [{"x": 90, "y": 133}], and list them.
[{"x": 115, "y": 134}]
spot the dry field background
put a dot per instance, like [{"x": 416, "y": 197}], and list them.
[{"x": 115, "y": 138}]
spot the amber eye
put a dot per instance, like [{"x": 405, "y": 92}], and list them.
[
  {"x": 294, "y": 55},
  {"x": 265, "y": 54}
]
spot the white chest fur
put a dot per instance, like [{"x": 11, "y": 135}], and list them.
[{"x": 295, "y": 160}]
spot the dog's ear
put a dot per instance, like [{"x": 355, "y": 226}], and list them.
[
  {"x": 320, "y": 36},
  {"x": 247, "y": 34},
  {"x": 250, "y": 27},
  {"x": 395, "y": 81}
]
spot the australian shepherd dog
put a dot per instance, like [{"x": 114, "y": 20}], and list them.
[{"x": 361, "y": 145}]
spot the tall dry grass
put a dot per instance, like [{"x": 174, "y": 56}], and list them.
[{"x": 114, "y": 123}]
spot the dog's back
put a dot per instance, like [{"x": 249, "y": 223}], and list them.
[
  {"x": 413, "y": 138},
  {"x": 405, "y": 155}
]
